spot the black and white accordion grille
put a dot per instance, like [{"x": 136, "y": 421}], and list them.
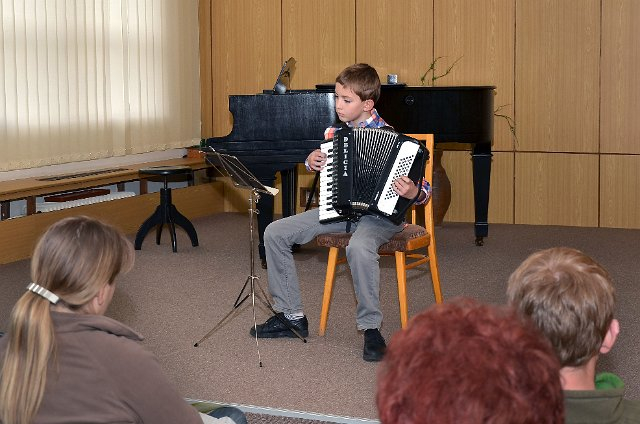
[{"x": 371, "y": 150}]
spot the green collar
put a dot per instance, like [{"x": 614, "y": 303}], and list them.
[{"x": 607, "y": 380}]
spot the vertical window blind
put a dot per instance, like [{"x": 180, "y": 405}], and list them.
[{"x": 82, "y": 80}]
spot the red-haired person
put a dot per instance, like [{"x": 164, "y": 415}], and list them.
[
  {"x": 571, "y": 299},
  {"x": 466, "y": 362}
]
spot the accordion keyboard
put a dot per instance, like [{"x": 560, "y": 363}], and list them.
[{"x": 326, "y": 210}]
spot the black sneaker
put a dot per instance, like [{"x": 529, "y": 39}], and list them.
[
  {"x": 374, "y": 345},
  {"x": 275, "y": 327}
]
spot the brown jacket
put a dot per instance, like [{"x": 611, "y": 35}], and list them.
[{"x": 101, "y": 374}]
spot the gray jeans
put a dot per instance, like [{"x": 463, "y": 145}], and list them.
[{"x": 369, "y": 233}]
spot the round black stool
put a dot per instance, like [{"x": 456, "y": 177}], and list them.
[{"x": 166, "y": 212}]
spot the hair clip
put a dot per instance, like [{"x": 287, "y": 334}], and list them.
[{"x": 43, "y": 292}]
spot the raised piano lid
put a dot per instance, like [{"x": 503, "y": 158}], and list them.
[{"x": 294, "y": 115}]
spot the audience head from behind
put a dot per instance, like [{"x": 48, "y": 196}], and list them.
[
  {"x": 74, "y": 266},
  {"x": 571, "y": 299},
  {"x": 62, "y": 360},
  {"x": 468, "y": 362}
]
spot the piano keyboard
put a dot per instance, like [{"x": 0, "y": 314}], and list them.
[{"x": 326, "y": 210}]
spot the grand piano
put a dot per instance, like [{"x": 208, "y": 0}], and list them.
[{"x": 274, "y": 132}]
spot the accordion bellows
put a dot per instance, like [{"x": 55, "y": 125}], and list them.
[{"x": 362, "y": 164}]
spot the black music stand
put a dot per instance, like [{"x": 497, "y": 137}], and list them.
[{"x": 243, "y": 178}]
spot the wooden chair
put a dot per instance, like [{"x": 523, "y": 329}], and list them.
[{"x": 405, "y": 246}]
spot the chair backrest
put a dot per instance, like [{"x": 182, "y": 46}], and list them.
[{"x": 429, "y": 143}]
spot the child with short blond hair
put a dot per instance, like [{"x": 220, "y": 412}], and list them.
[{"x": 571, "y": 299}]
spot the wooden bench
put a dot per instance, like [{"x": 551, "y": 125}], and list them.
[{"x": 19, "y": 234}]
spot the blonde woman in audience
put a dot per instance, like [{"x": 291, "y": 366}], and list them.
[
  {"x": 63, "y": 361},
  {"x": 571, "y": 298}
]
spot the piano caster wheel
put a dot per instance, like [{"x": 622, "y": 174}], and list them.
[
  {"x": 479, "y": 241},
  {"x": 263, "y": 263},
  {"x": 295, "y": 248}
]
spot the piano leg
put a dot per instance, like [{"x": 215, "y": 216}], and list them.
[
  {"x": 481, "y": 156},
  {"x": 289, "y": 179},
  {"x": 264, "y": 207},
  {"x": 265, "y": 204}
]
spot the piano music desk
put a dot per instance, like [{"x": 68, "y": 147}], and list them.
[{"x": 20, "y": 233}]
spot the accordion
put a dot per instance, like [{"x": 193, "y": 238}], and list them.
[{"x": 362, "y": 164}]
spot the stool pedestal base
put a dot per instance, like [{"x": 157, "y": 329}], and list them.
[{"x": 166, "y": 213}]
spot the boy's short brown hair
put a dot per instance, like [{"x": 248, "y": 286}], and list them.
[
  {"x": 569, "y": 296},
  {"x": 362, "y": 79}
]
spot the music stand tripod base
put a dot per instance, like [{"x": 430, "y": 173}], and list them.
[{"x": 244, "y": 179}]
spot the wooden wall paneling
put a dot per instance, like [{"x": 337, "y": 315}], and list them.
[
  {"x": 480, "y": 36},
  {"x": 458, "y": 167},
  {"x": 196, "y": 201},
  {"x": 206, "y": 76},
  {"x": 620, "y": 85},
  {"x": 320, "y": 35},
  {"x": 502, "y": 189},
  {"x": 247, "y": 54},
  {"x": 556, "y": 189},
  {"x": 395, "y": 37},
  {"x": 459, "y": 171},
  {"x": 550, "y": 74},
  {"x": 557, "y": 75},
  {"x": 619, "y": 189}
]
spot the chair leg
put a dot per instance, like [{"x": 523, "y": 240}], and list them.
[
  {"x": 401, "y": 275},
  {"x": 435, "y": 274},
  {"x": 328, "y": 288}
]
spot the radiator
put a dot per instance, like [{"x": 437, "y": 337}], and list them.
[{"x": 56, "y": 206}]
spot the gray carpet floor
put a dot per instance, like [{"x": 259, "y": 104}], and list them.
[{"x": 174, "y": 299}]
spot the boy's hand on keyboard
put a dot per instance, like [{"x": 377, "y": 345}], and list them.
[{"x": 316, "y": 160}]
